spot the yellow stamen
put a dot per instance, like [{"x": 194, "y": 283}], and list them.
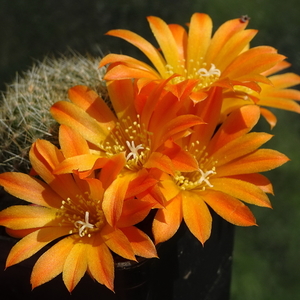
[
  {"x": 206, "y": 168},
  {"x": 194, "y": 180},
  {"x": 198, "y": 70}
]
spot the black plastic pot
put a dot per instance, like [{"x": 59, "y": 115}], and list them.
[{"x": 184, "y": 271}]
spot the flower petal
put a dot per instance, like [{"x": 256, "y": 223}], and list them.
[
  {"x": 121, "y": 94},
  {"x": 44, "y": 157},
  {"x": 30, "y": 189},
  {"x": 27, "y": 216},
  {"x": 51, "y": 263},
  {"x": 100, "y": 262},
  {"x": 209, "y": 111},
  {"x": 117, "y": 241},
  {"x": 141, "y": 182},
  {"x": 221, "y": 36},
  {"x": 89, "y": 101},
  {"x": 161, "y": 162},
  {"x": 111, "y": 169},
  {"x": 259, "y": 180},
  {"x": 139, "y": 42},
  {"x": 180, "y": 37},
  {"x": 260, "y": 160},
  {"x": 269, "y": 116},
  {"x": 113, "y": 199},
  {"x": 33, "y": 242},
  {"x": 121, "y": 71},
  {"x": 134, "y": 211},
  {"x": 140, "y": 242},
  {"x": 234, "y": 46},
  {"x": 182, "y": 160},
  {"x": 240, "y": 146},
  {"x": 254, "y": 61},
  {"x": 196, "y": 216},
  {"x": 238, "y": 123},
  {"x": 281, "y": 103},
  {"x": 167, "y": 220},
  {"x": 242, "y": 190},
  {"x": 120, "y": 60},
  {"x": 165, "y": 40},
  {"x": 229, "y": 208},
  {"x": 71, "y": 142},
  {"x": 200, "y": 30},
  {"x": 75, "y": 265},
  {"x": 83, "y": 162},
  {"x": 286, "y": 80},
  {"x": 73, "y": 116},
  {"x": 177, "y": 125}
]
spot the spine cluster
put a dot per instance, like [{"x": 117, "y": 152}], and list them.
[{"x": 24, "y": 106}]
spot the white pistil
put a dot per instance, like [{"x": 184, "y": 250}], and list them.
[
  {"x": 204, "y": 177},
  {"x": 212, "y": 71},
  {"x": 133, "y": 150},
  {"x": 83, "y": 225}
]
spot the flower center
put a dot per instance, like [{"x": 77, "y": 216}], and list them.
[
  {"x": 195, "y": 180},
  {"x": 206, "y": 75},
  {"x": 244, "y": 92},
  {"x": 132, "y": 138},
  {"x": 199, "y": 179},
  {"x": 133, "y": 150},
  {"x": 84, "y": 225},
  {"x": 83, "y": 214}
]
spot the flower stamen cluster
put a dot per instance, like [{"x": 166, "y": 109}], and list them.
[
  {"x": 133, "y": 150},
  {"x": 194, "y": 180},
  {"x": 84, "y": 225},
  {"x": 124, "y": 137},
  {"x": 206, "y": 77},
  {"x": 205, "y": 177},
  {"x": 84, "y": 215}
]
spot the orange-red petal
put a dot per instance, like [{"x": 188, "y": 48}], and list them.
[
  {"x": 141, "y": 43},
  {"x": 27, "y": 216},
  {"x": 242, "y": 190},
  {"x": 200, "y": 30},
  {"x": 51, "y": 263},
  {"x": 140, "y": 242},
  {"x": 113, "y": 199},
  {"x": 75, "y": 265},
  {"x": 30, "y": 189},
  {"x": 118, "y": 242},
  {"x": 167, "y": 220},
  {"x": 229, "y": 208},
  {"x": 71, "y": 142},
  {"x": 33, "y": 242},
  {"x": 196, "y": 215},
  {"x": 89, "y": 101},
  {"x": 69, "y": 114},
  {"x": 100, "y": 262},
  {"x": 260, "y": 160}
]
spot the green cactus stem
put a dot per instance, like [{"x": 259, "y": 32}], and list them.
[{"x": 24, "y": 107}]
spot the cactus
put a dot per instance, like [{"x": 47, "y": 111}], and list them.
[{"x": 24, "y": 107}]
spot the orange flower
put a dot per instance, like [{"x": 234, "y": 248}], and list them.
[
  {"x": 69, "y": 209},
  {"x": 278, "y": 94},
  {"x": 140, "y": 124},
  {"x": 228, "y": 175},
  {"x": 220, "y": 60}
]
